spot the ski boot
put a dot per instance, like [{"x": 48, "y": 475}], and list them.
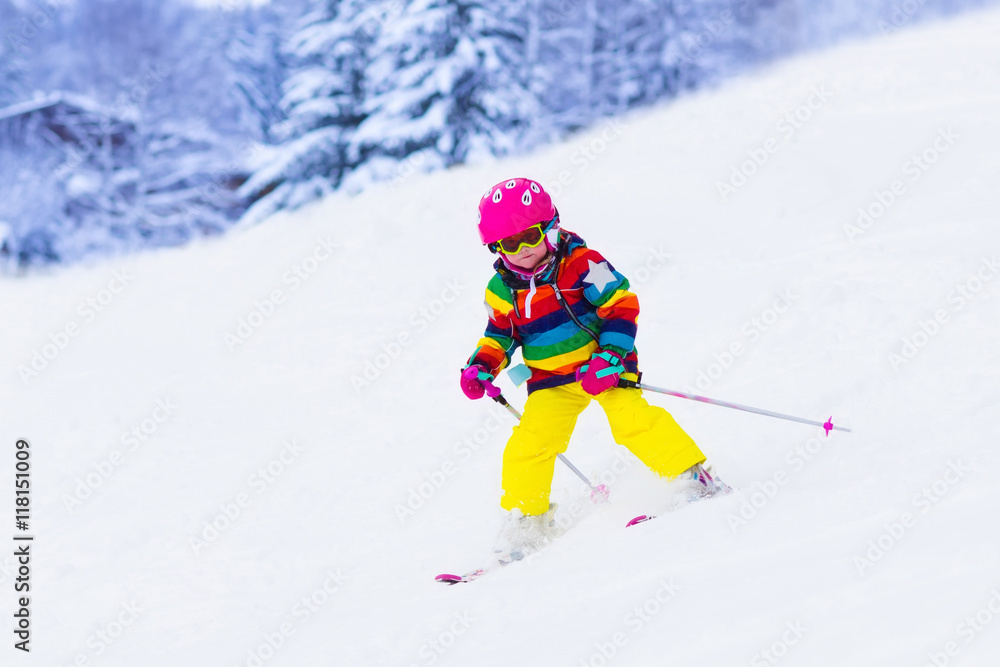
[{"x": 523, "y": 535}]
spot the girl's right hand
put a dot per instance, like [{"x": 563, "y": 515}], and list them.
[{"x": 476, "y": 382}]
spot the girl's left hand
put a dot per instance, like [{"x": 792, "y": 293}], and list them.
[{"x": 600, "y": 373}]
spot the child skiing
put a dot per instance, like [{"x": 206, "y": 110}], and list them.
[{"x": 574, "y": 318}]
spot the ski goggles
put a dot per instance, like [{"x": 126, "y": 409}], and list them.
[{"x": 531, "y": 237}]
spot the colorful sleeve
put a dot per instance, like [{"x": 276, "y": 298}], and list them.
[
  {"x": 501, "y": 338},
  {"x": 617, "y": 307}
]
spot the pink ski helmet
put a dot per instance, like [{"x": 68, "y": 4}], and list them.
[{"x": 511, "y": 207}]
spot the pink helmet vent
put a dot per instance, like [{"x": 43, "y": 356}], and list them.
[{"x": 500, "y": 217}]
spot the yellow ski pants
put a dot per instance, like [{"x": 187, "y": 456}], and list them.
[{"x": 529, "y": 459}]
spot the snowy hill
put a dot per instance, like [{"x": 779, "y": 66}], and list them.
[{"x": 253, "y": 451}]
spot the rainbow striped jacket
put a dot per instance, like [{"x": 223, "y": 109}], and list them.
[{"x": 580, "y": 304}]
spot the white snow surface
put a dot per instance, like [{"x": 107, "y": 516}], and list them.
[{"x": 320, "y": 567}]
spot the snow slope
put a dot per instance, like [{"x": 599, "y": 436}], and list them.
[{"x": 151, "y": 424}]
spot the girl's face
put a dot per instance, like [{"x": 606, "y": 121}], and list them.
[{"x": 529, "y": 258}]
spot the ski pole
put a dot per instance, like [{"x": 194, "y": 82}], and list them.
[
  {"x": 598, "y": 494},
  {"x": 827, "y": 426}
]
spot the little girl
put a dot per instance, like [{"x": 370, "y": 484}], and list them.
[{"x": 574, "y": 319}]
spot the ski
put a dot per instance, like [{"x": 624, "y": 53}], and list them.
[
  {"x": 502, "y": 561},
  {"x": 725, "y": 490},
  {"x": 642, "y": 518},
  {"x": 452, "y": 579},
  {"x": 507, "y": 554},
  {"x": 639, "y": 519}
]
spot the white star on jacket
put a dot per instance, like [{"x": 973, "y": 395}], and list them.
[{"x": 599, "y": 275}]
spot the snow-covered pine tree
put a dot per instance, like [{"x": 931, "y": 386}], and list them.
[
  {"x": 760, "y": 30},
  {"x": 698, "y": 47},
  {"x": 449, "y": 84},
  {"x": 322, "y": 103},
  {"x": 259, "y": 66},
  {"x": 565, "y": 43},
  {"x": 676, "y": 68},
  {"x": 577, "y": 45},
  {"x": 526, "y": 18},
  {"x": 629, "y": 42}
]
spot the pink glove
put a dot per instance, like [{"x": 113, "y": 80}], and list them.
[
  {"x": 600, "y": 373},
  {"x": 476, "y": 382}
]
